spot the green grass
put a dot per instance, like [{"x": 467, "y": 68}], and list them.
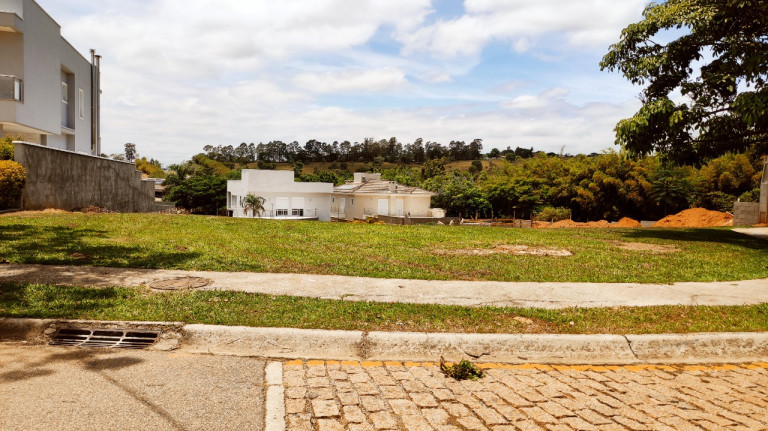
[
  {"x": 227, "y": 244},
  {"x": 237, "y": 308}
]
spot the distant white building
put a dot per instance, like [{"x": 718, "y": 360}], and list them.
[{"x": 284, "y": 198}]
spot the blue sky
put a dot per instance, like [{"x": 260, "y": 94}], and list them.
[{"x": 179, "y": 75}]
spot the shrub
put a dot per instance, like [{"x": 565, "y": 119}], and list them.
[
  {"x": 6, "y": 148},
  {"x": 718, "y": 201},
  {"x": 12, "y": 179},
  {"x": 266, "y": 165},
  {"x": 750, "y": 196},
  {"x": 553, "y": 214}
]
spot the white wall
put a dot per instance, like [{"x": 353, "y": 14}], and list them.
[
  {"x": 42, "y": 54},
  {"x": 13, "y": 6},
  {"x": 272, "y": 185}
]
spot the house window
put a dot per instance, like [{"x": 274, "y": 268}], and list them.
[
  {"x": 281, "y": 206},
  {"x": 352, "y": 202},
  {"x": 64, "y": 93},
  {"x": 299, "y": 212},
  {"x": 10, "y": 88},
  {"x": 81, "y": 103}
]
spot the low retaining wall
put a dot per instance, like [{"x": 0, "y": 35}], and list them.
[
  {"x": 746, "y": 213},
  {"x": 71, "y": 181},
  {"x": 418, "y": 220}
]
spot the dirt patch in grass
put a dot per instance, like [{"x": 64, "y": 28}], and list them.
[
  {"x": 642, "y": 246},
  {"x": 515, "y": 250}
]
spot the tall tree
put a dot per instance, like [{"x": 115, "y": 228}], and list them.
[
  {"x": 719, "y": 66},
  {"x": 130, "y": 152}
]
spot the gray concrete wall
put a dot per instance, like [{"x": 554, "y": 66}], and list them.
[
  {"x": 746, "y": 213},
  {"x": 72, "y": 181}
]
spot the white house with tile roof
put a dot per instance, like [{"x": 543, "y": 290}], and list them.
[{"x": 370, "y": 196}]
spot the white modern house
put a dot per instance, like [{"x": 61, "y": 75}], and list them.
[
  {"x": 283, "y": 197},
  {"x": 367, "y": 195},
  {"x": 49, "y": 93}
]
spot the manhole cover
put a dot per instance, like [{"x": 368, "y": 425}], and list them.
[
  {"x": 180, "y": 283},
  {"x": 105, "y": 338}
]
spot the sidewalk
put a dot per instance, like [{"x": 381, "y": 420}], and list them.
[{"x": 464, "y": 293}]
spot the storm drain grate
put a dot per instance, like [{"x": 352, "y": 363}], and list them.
[{"x": 105, "y": 338}]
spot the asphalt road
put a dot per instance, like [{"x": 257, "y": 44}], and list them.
[{"x": 63, "y": 388}]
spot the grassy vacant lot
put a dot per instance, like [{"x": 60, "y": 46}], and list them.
[
  {"x": 421, "y": 252},
  {"x": 236, "y": 308}
]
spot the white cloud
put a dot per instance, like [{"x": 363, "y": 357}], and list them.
[
  {"x": 181, "y": 75},
  {"x": 352, "y": 80},
  {"x": 520, "y": 23}
]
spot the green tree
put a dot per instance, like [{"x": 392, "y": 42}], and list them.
[
  {"x": 726, "y": 104},
  {"x": 199, "y": 193},
  {"x": 254, "y": 204},
  {"x": 298, "y": 166},
  {"x": 458, "y": 195},
  {"x": 130, "y": 152},
  {"x": 671, "y": 189},
  {"x": 432, "y": 168}
]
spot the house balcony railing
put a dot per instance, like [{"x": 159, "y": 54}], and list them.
[
  {"x": 374, "y": 212},
  {"x": 287, "y": 214},
  {"x": 11, "y": 88}
]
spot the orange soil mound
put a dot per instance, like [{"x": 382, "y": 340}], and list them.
[
  {"x": 696, "y": 217},
  {"x": 574, "y": 224},
  {"x": 566, "y": 224},
  {"x": 627, "y": 222},
  {"x": 601, "y": 223}
]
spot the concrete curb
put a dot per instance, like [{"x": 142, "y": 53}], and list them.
[
  {"x": 288, "y": 343},
  {"x": 508, "y": 348},
  {"x": 23, "y": 329},
  {"x": 271, "y": 342},
  {"x": 701, "y": 347}
]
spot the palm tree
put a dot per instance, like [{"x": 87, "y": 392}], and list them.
[{"x": 253, "y": 203}]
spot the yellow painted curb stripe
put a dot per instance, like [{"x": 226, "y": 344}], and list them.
[{"x": 543, "y": 367}]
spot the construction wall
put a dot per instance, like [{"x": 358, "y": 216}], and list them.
[
  {"x": 71, "y": 181},
  {"x": 746, "y": 213}
]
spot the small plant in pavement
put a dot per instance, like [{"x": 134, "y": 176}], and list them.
[{"x": 464, "y": 370}]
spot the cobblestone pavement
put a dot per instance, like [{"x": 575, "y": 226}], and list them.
[{"x": 348, "y": 395}]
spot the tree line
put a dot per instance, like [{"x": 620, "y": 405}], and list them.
[
  {"x": 608, "y": 186},
  {"x": 387, "y": 150}
]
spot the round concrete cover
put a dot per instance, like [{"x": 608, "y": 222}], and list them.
[{"x": 180, "y": 283}]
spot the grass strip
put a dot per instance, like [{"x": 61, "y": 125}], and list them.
[
  {"x": 411, "y": 252},
  {"x": 247, "y": 309}
]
